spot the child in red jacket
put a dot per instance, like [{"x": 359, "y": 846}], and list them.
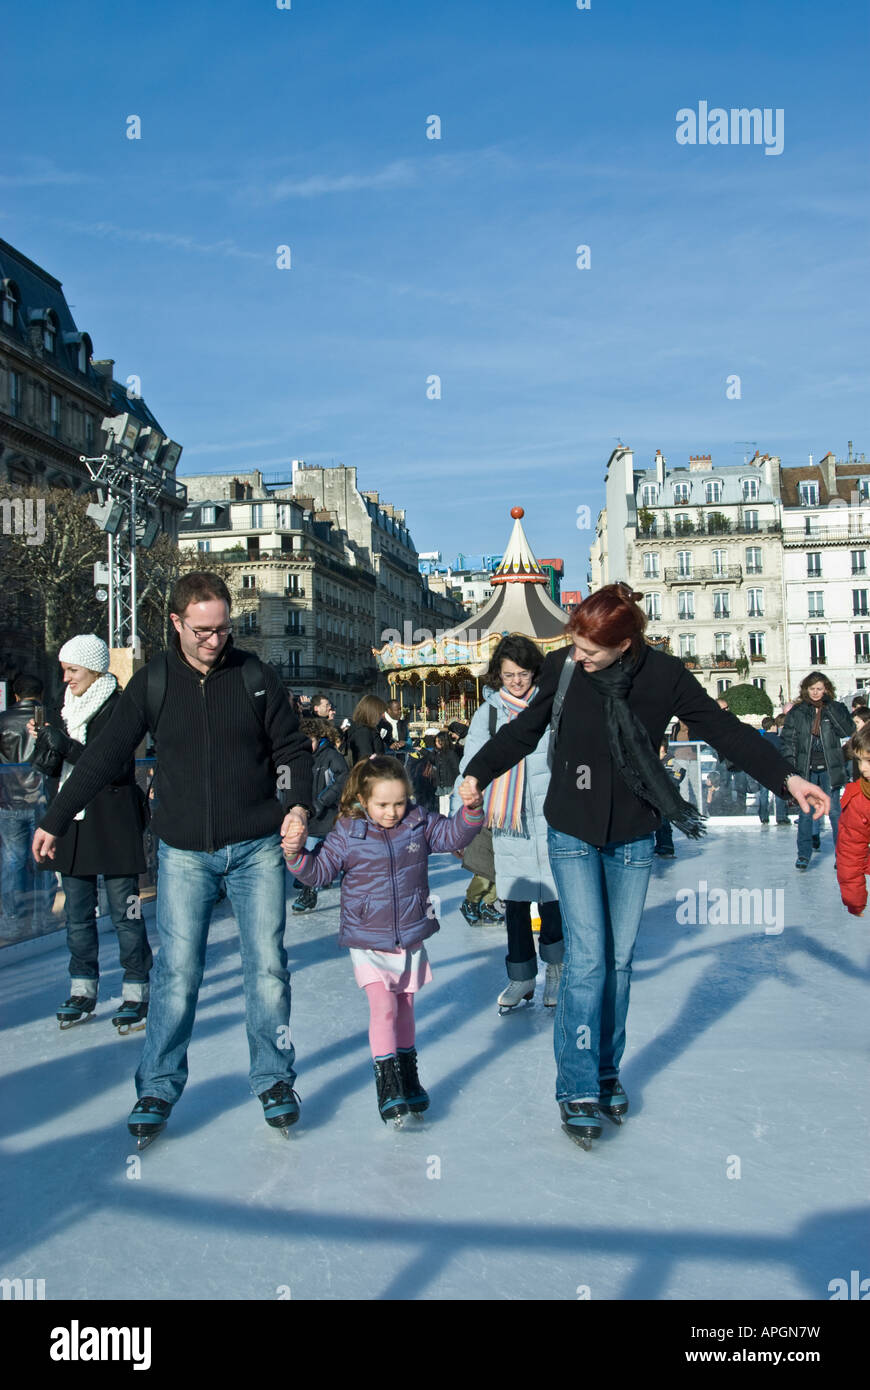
[{"x": 853, "y": 835}]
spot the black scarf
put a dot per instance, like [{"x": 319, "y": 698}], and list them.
[{"x": 631, "y": 748}]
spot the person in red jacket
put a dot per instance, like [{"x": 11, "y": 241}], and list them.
[{"x": 853, "y": 839}]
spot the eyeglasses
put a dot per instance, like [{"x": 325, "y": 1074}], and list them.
[{"x": 202, "y": 634}]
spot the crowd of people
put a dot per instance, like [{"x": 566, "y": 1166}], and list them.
[{"x": 556, "y": 797}]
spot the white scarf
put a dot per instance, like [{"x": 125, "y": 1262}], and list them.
[{"x": 78, "y": 710}]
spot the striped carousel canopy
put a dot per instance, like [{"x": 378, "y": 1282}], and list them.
[{"x": 519, "y": 603}]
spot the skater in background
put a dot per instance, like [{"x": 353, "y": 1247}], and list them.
[
  {"x": 811, "y": 740},
  {"x": 364, "y": 737},
  {"x": 770, "y": 732},
  {"x": 665, "y": 834},
  {"x": 447, "y": 770},
  {"x": 853, "y": 835},
  {"x": 393, "y": 729},
  {"x": 382, "y": 843},
  {"x": 613, "y": 696},
  {"x": 330, "y": 772},
  {"x": 104, "y": 839},
  {"x": 422, "y": 768},
  {"x": 514, "y": 810},
  {"x": 860, "y": 717},
  {"x": 22, "y": 801}
]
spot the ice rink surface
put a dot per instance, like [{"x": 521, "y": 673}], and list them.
[{"x": 741, "y": 1172}]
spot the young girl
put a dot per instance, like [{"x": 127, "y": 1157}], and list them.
[
  {"x": 382, "y": 843},
  {"x": 853, "y": 835}
]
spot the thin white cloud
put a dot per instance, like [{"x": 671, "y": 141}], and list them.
[
  {"x": 398, "y": 174},
  {"x": 229, "y": 448},
  {"x": 42, "y": 173},
  {"x": 226, "y": 247}
]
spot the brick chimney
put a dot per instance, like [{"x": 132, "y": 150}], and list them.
[
  {"x": 660, "y": 463},
  {"x": 700, "y": 463},
  {"x": 828, "y": 465}
]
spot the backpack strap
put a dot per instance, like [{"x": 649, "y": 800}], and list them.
[
  {"x": 565, "y": 675},
  {"x": 255, "y": 684},
  {"x": 156, "y": 681},
  {"x": 493, "y": 719}
]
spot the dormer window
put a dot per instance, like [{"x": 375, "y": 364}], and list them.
[
  {"x": 750, "y": 489},
  {"x": 681, "y": 494},
  {"x": 809, "y": 494},
  {"x": 207, "y": 516},
  {"x": 649, "y": 494},
  {"x": 49, "y": 332},
  {"x": 9, "y": 295},
  {"x": 713, "y": 491}
]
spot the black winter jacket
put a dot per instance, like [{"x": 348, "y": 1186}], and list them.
[
  {"x": 797, "y": 737},
  {"x": 109, "y": 839},
  {"x": 363, "y": 741},
  {"x": 218, "y": 763},
  {"x": 605, "y": 810},
  {"x": 330, "y": 774},
  {"x": 22, "y": 790}
]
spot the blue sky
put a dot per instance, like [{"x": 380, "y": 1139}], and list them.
[{"x": 454, "y": 257}]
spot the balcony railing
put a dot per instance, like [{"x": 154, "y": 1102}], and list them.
[
  {"x": 862, "y": 658},
  {"x": 705, "y": 574},
  {"x": 294, "y": 629},
  {"x": 825, "y": 535},
  {"x": 666, "y": 530}
]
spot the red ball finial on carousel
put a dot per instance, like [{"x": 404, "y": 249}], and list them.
[{"x": 517, "y": 512}]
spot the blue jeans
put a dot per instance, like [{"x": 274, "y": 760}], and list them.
[
  {"x": 187, "y": 889},
  {"x": 22, "y": 885},
  {"x": 807, "y": 827},
  {"x": 83, "y": 941},
  {"x": 782, "y": 816},
  {"x": 601, "y": 893}
]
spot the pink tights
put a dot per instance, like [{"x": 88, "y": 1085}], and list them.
[{"x": 391, "y": 1020}]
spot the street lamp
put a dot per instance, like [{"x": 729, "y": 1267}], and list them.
[{"x": 131, "y": 483}]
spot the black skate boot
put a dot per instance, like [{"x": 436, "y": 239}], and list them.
[
  {"x": 417, "y": 1099},
  {"x": 147, "y": 1119},
  {"x": 130, "y": 1018},
  {"x": 580, "y": 1121},
  {"x": 281, "y": 1106},
  {"x": 78, "y": 1009},
  {"x": 470, "y": 911},
  {"x": 306, "y": 902},
  {"x": 612, "y": 1100},
  {"x": 391, "y": 1102}
]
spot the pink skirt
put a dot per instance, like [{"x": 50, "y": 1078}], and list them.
[{"x": 402, "y": 972}]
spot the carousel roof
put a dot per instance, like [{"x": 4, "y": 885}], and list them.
[{"x": 520, "y": 603}]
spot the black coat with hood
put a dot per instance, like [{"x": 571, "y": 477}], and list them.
[{"x": 797, "y": 737}]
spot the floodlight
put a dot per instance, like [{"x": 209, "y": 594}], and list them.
[
  {"x": 150, "y": 443},
  {"x": 171, "y": 456},
  {"x": 108, "y": 516},
  {"x": 124, "y": 429}
]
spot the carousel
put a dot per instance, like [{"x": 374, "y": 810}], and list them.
[{"x": 440, "y": 679}]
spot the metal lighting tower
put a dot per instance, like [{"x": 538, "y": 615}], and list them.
[{"x": 138, "y": 466}]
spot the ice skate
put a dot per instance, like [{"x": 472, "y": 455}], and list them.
[
  {"x": 551, "y": 986},
  {"x": 148, "y": 1119},
  {"x": 391, "y": 1102},
  {"x": 78, "y": 1009},
  {"x": 416, "y": 1097},
  {"x": 514, "y": 994},
  {"x": 612, "y": 1100},
  {"x": 130, "y": 1017},
  {"x": 581, "y": 1121},
  {"x": 280, "y": 1106}
]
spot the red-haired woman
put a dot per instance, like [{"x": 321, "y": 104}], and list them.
[{"x": 610, "y": 697}]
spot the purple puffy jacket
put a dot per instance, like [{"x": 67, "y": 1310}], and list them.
[{"x": 385, "y": 902}]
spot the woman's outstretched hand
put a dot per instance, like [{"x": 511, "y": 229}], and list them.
[
  {"x": 809, "y": 797},
  {"x": 470, "y": 793}
]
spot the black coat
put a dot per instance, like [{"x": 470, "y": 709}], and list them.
[
  {"x": 797, "y": 737},
  {"x": 604, "y": 810},
  {"x": 363, "y": 741},
  {"x": 329, "y": 775},
  {"x": 109, "y": 839}
]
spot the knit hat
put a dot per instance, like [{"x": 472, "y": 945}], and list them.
[{"x": 86, "y": 650}]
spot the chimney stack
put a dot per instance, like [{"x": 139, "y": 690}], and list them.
[{"x": 700, "y": 463}]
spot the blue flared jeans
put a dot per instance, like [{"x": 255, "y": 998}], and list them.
[
  {"x": 188, "y": 884},
  {"x": 601, "y": 894}
]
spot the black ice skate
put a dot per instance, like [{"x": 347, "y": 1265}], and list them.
[
  {"x": 416, "y": 1097},
  {"x": 280, "y": 1106},
  {"x": 78, "y": 1009},
  {"x": 612, "y": 1100},
  {"x": 130, "y": 1018},
  {"x": 391, "y": 1102},
  {"x": 148, "y": 1119},
  {"x": 580, "y": 1121}
]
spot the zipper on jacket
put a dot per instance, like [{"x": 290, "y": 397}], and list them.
[
  {"x": 209, "y": 833},
  {"x": 393, "y": 886}
]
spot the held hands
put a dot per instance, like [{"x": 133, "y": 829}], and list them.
[
  {"x": 294, "y": 831},
  {"x": 808, "y": 796},
  {"x": 470, "y": 793}
]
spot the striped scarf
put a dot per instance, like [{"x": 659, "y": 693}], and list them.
[{"x": 503, "y": 798}]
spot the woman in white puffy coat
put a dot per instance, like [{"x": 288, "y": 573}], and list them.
[{"x": 514, "y": 807}]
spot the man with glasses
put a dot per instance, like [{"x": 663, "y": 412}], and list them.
[
  {"x": 323, "y": 708},
  {"x": 221, "y": 756}
]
